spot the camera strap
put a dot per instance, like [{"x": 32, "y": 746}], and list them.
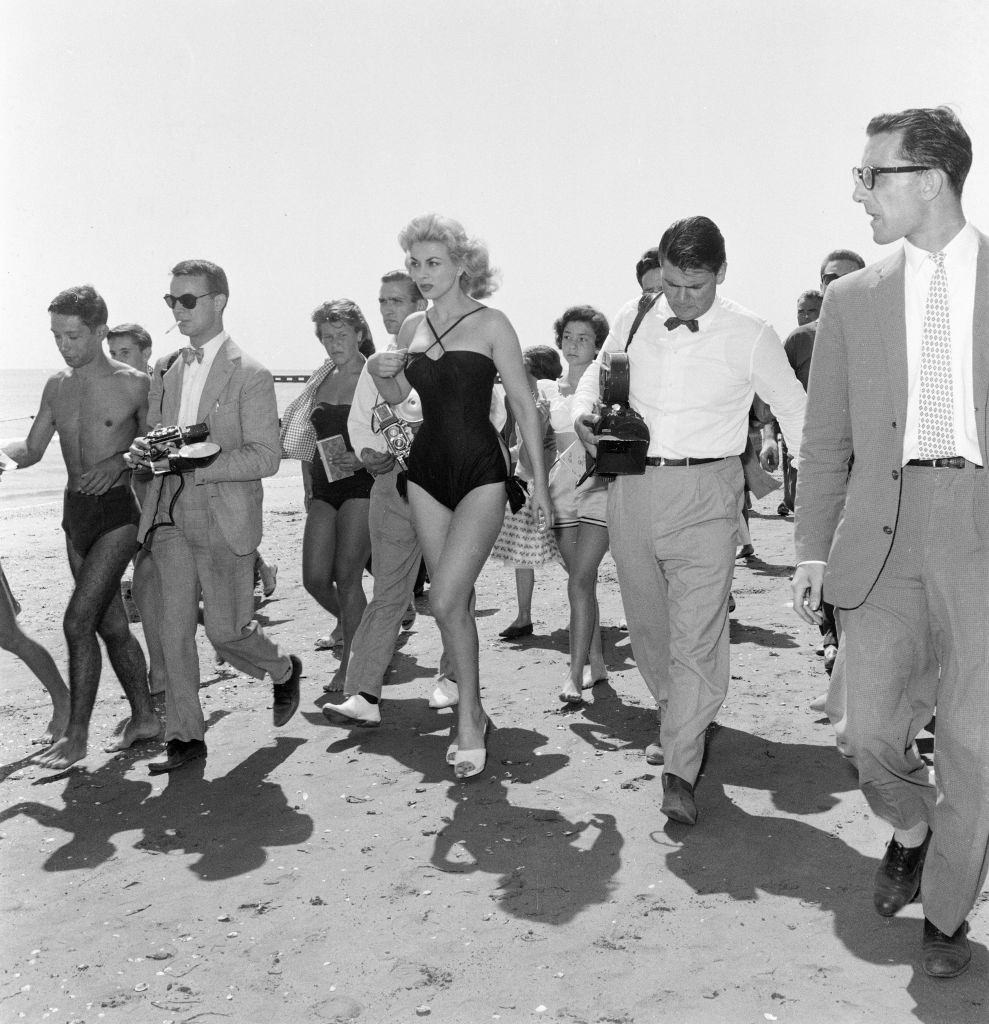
[{"x": 645, "y": 304}]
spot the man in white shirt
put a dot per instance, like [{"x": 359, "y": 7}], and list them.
[
  {"x": 202, "y": 527},
  {"x": 395, "y": 552},
  {"x": 900, "y": 377},
  {"x": 695, "y": 363}
]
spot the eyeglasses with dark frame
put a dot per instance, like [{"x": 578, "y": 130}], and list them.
[
  {"x": 188, "y": 300},
  {"x": 867, "y": 175}
]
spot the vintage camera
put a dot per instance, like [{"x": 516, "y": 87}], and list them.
[
  {"x": 180, "y": 449},
  {"x": 623, "y": 437},
  {"x": 622, "y": 442},
  {"x": 397, "y": 434},
  {"x": 163, "y": 441}
]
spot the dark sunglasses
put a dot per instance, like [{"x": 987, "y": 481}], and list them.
[{"x": 188, "y": 300}]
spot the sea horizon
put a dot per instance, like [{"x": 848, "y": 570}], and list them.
[{"x": 44, "y": 483}]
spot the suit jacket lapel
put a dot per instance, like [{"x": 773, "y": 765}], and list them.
[
  {"x": 891, "y": 326},
  {"x": 219, "y": 373},
  {"x": 980, "y": 341},
  {"x": 172, "y": 384}
]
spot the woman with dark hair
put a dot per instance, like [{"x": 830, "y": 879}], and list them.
[
  {"x": 458, "y": 465},
  {"x": 336, "y": 543},
  {"x": 521, "y": 543},
  {"x": 580, "y": 512}
]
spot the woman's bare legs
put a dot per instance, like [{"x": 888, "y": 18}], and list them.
[
  {"x": 525, "y": 582},
  {"x": 353, "y": 547},
  {"x": 319, "y": 543},
  {"x": 456, "y": 545},
  {"x": 583, "y": 548}
]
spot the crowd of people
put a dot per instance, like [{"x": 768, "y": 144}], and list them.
[{"x": 448, "y": 444}]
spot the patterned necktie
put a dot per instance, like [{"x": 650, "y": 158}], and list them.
[
  {"x": 673, "y": 322},
  {"x": 936, "y": 437},
  {"x": 190, "y": 352}
]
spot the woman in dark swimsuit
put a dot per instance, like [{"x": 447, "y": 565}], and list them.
[
  {"x": 336, "y": 543},
  {"x": 457, "y": 469}
]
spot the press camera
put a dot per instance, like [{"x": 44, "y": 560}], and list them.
[
  {"x": 622, "y": 434},
  {"x": 180, "y": 449}
]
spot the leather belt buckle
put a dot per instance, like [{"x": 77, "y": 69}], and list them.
[{"x": 950, "y": 462}]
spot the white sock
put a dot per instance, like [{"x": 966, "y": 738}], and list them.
[{"x": 911, "y": 837}]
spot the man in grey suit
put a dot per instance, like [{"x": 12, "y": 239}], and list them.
[
  {"x": 900, "y": 378},
  {"x": 202, "y": 527}
]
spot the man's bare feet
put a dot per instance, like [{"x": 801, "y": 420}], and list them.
[
  {"x": 592, "y": 676},
  {"x": 335, "y": 685},
  {"x": 133, "y": 732},
  {"x": 55, "y": 729},
  {"x": 62, "y": 753},
  {"x": 570, "y": 691}
]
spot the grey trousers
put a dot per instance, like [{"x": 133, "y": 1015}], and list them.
[
  {"x": 395, "y": 556},
  {"x": 192, "y": 557},
  {"x": 919, "y": 641},
  {"x": 673, "y": 537}
]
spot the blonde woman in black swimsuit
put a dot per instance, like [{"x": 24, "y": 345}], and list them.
[
  {"x": 337, "y": 541},
  {"x": 457, "y": 469}
]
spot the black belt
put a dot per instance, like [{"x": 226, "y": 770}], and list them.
[
  {"x": 953, "y": 462},
  {"x": 660, "y": 461}
]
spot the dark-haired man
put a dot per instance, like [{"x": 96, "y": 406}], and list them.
[
  {"x": 130, "y": 344},
  {"x": 202, "y": 527},
  {"x": 808, "y": 306},
  {"x": 97, "y": 406},
  {"x": 395, "y": 551},
  {"x": 648, "y": 271},
  {"x": 900, "y": 379},
  {"x": 695, "y": 362}
]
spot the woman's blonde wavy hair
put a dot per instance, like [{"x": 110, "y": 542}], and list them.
[{"x": 479, "y": 279}]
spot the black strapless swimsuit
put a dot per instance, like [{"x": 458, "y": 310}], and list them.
[{"x": 457, "y": 447}]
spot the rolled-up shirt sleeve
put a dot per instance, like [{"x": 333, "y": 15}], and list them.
[
  {"x": 360, "y": 419},
  {"x": 776, "y": 383}
]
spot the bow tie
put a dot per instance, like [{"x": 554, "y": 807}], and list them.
[
  {"x": 189, "y": 353},
  {"x": 674, "y": 322}
]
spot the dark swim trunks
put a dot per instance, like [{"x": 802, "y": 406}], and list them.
[{"x": 87, "y": 517}]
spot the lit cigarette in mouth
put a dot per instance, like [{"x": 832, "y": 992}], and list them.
[{"x": 172, "y": 328}]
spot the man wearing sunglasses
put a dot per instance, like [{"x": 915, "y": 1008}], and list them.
[
  {"x": 900, "y": 545},
  {"x": 202, "y": 527}
]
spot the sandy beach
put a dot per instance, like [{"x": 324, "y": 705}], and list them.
[{"x": 316, "y": 874}]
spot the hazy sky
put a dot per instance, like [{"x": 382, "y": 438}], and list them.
[{"x": 291, "y": 140}]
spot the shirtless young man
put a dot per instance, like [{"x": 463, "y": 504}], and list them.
[{"x": 97, "y": 406}]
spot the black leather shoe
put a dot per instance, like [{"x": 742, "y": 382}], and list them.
[
  {"x": 678, "y": 800},
  {"x": 178, "y": 753},
  {"x": 514, "y": 632},
  {"x": 945, "y": 956},
  {"x": 286, "y": 701},
  {"x": 898, "y": 876}
]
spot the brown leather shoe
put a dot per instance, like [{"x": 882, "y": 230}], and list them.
[
  {"x": 945, "y": 956},
  {"x": 178, "y": 753},
  {"x": 678, "y": 800},
  {"x": 286, "y": 694},
  {"x": 898, "y": 876}
]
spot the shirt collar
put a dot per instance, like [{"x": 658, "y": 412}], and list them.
[{"x": 963, "y": 247}]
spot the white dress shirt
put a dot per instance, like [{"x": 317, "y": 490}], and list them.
[
  {"x": 960, "y": 258},
  {"x": 695, "y": 389},
  {"x": 194, "y": 376}
]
